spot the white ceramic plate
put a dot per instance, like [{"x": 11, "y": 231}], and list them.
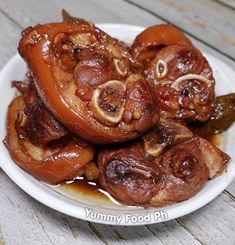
[{"x": 94, "y": 208}]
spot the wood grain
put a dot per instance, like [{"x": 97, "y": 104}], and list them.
[
  {"x": 46, "y": 226},
  {"x": 227, "y": 3},
  {"x": 213, "y": 224},
  {"x": 207, "y": 21},
  {"x": 8, "y": 39},
  {"x": 24, "y": 220}
]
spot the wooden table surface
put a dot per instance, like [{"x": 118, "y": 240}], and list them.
[{"x": 211, "y": 26}]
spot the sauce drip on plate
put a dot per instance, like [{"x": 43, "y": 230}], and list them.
[{"x": 92, "y": 189}]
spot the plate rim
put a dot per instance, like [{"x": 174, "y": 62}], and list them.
[{"x": 51, "y": 199}]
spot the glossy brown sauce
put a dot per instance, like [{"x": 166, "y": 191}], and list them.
[
  {"x": 215, "y": 139},
  {"x": 88, "y": 188},
  {"x": 93, "y": 189}
]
